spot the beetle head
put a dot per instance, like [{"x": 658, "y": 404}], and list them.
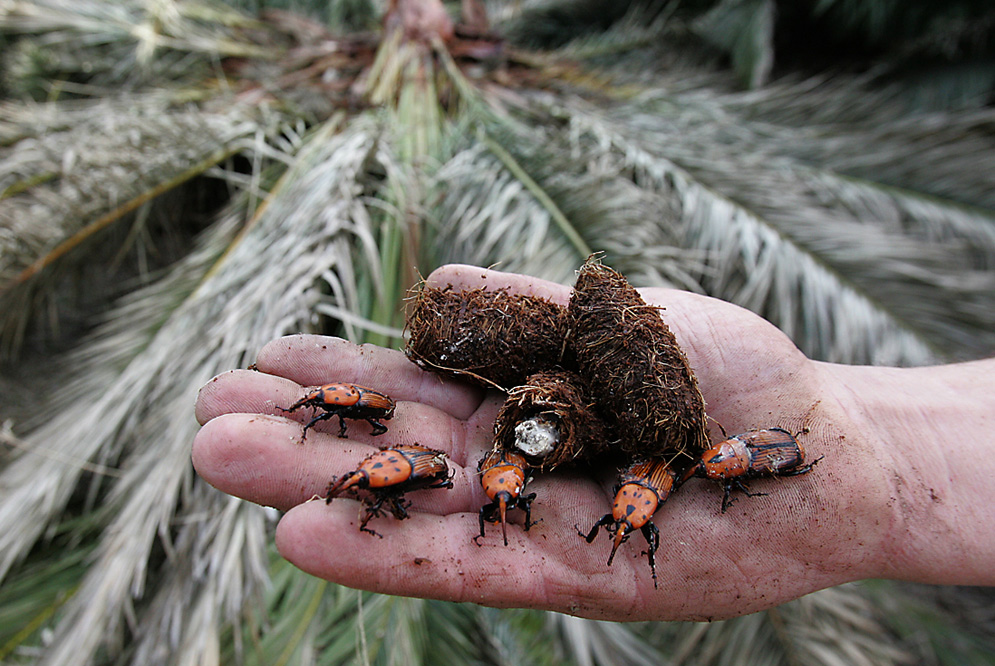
[
  {"x": 344, "y": 483},
  {"x": 622, "y": 529}
]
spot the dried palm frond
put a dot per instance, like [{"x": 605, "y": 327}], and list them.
[
  {"x": 49, "y": 463},
  {"x": 217, "y": 567},
  {"x": 125, "y": 43},
  {"x": 947, "y": 155},
  {"x": 251, "y": 296},
  {"x": 488, "y": 215},
  {"x": 63, "y": 188},
  {"x": 490, "y": 212},
  {"x": 592, "y": 642}
]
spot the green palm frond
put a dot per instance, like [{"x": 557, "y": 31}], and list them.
[
  {"x": 28, "y": 604},
  {"x": 745, "y": 30},
  {"x": 641, "y": 26},
  {"x": 834, "y": 626},
  {"x": 282, "y": 627},
  {"x": 553, "y": 23},
  {"x": 950, "y": 625},
  {"x": 598, "y": 642}
]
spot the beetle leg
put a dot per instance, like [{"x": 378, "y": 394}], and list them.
[
  {"x": 652, "y": 534},
  {"x": 525, "y": 501},
  {"x": 445, "y": 483},
  {"x": 746, "y": 490},
  {"x": 310, "y": 424},
  {"x": 803, "y": 469},
  {"x": 342, "y": 427},
  {"x": 398, "y": 506},
  {"x": 726, "y": 501},
  {"x": 606, "y": 520},
  {"x": 378, "y": 428},
  {"x": 372, "y": 510},
  {"x": 486, "y": 513}
]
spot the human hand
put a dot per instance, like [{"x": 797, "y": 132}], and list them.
[{"x": 809, "y": 532}]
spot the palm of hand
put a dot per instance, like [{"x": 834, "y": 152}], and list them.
[{"x": 709, "y": 565}]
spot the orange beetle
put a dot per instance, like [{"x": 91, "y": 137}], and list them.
[
  {"x": 771, "y": 452},
  {"x": 642, "y": 488},
  {"x": 346, "y": 401},
  {"x": 388, "y": 474},
  {"x": 503, "y": 474}
]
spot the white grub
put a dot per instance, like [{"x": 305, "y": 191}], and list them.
[{"x": 537, "y": 437}]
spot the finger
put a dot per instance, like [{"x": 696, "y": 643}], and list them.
[
  {"x": 261, "y": 459},
  {"x": 736, "y": 566},
  {"x": 313, "y": 360},
  {"x": 434, "y": 556},
  {"x": 549, "y": 567},
  {"x": 466, "y": 277},
  {"x": 247, "y": 392}
]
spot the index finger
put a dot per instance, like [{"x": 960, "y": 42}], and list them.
[
  {"x": 312, "y": 360},
  {"x": 463, "y": 276}
]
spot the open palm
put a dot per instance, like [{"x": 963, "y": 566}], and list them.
[{"x": 809, "y": 532}]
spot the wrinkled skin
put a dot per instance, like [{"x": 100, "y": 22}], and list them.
[{"x": 859, "y": 514}]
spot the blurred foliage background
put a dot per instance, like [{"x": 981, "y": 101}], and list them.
[{"x": 184, "y": 180}]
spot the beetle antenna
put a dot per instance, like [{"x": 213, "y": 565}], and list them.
[
  {"x": 714, "y": 420},
  {"x": 805, "y": 429}
]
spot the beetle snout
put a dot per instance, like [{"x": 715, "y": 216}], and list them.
[
  {"x": 348, "y": 481},
  {"x": 503, "y": 498},
  {"x": 621, "y": 534}
]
